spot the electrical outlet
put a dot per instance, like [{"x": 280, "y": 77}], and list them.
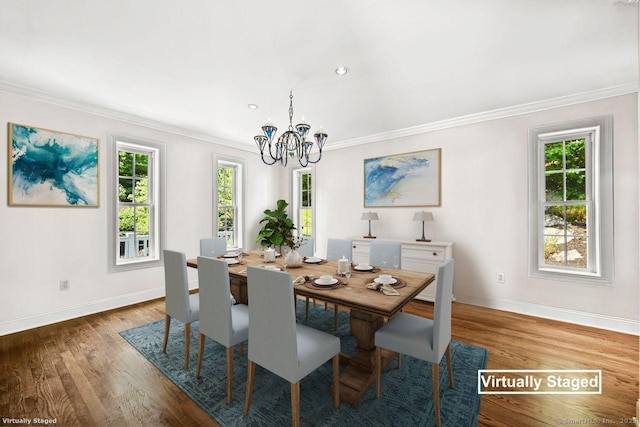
[
  {"x": 64, "y": 285},
  {"x": 500, "y": 277}
]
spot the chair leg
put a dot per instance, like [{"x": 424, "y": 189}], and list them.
[
  {"x": 335, "y": 317},
  {"x": 399, "y": 360},
  {"x": 325, "y": 305},
  {"x": 449, "y": 366},
  {"x": 200, "y": 354},
  {"x": 435, "y": 371},
  {"x": 306, "y": 309},
  {"x": 378, "y": 370},
  {"x": 295, "y": 404},
  {"x": 167, "y": 324},
  {"x": 336, "y": 380},
  {"x": 241, "y": 349},
  {"x": 251, "y": 372},
  {"x": 187, "y": 336},
  {"x": 229, "y": 373}
]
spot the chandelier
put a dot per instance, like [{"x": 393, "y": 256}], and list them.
[{"x": 291, "y": 143}]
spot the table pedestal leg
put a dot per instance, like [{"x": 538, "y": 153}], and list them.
[{"x": 360, "y": 373}]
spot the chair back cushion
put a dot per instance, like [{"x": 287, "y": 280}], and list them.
[
  {"x": 215, "y": 304},
  {"x": 442, "y": 307},
  {"x": 214, "y": 246},
  {"x": 380, "y": 251},
  {"x": 176, "y": 285},
  {"x": 307, "y": 248},
  {"x": 272, "y": 321},
  {"x": 337, "y": 248}
]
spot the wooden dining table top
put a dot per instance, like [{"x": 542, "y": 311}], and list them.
[{"x": 354, "y": 294}]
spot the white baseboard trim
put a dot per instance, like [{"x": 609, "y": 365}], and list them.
[
  {"x": 29, "y": 322},
  {"x": 618, "y": 324}
]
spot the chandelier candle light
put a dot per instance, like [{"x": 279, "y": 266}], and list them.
[
  {"x": 291, "y": 143},
  {"x": 423, "y": 216},
  {"x": 370, "y": 216}
]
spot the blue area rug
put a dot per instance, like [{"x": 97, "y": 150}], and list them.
[{"x": 406, "y": 398}]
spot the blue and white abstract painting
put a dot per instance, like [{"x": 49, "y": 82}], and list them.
[
  {"x": 49, "y": 168},
  {"x": 409, "y": 179}
]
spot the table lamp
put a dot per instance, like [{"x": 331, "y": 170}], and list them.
[
  {"x": 423, "y": 216},
  {"x": 369, "y": 216}
]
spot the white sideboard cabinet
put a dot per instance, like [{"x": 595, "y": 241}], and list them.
[{"x": 416, "y": 256}]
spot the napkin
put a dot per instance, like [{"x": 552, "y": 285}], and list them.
[
  {"x": 385, "y": 289},
  {"x": 299, "y": 280}
]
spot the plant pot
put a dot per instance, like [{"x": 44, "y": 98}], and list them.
[{"x": 293, "y": 259}]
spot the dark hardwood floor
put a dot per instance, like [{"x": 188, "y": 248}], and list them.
[{"x": 82, "y": 373}]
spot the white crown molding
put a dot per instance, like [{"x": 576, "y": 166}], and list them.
[
  {"x": 113, "y": 113},
  {"x": 501, "y": 113}
]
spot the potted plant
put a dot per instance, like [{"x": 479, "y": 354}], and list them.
[{"x": 277, "y": 230}]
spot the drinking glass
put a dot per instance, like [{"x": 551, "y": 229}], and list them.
[
  {"x": 285, "y": 253},
  {"x": 347, "y": 274},
  {"x": 240, "y": 257},
  {"x": 384, "y": 260},
  {"x": 396, "y": 261}
]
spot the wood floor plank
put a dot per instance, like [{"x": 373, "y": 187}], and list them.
[{"x": 82, "y": 372}]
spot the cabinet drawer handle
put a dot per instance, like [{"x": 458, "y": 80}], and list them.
[{"x": 435, "y": 254}]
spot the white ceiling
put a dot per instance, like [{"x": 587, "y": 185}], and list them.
[{"x": 194, "y": 65}]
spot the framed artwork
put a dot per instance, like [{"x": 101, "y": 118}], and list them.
[
  {"x": 403, "y": 180},
  {"x": 49, "y": 168}
]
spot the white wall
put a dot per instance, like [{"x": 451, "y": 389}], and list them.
[
  {"x": 484, "y": 211},
  {"x": 41, "y": 246}
]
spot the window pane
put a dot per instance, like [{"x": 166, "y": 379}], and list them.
[
  {"x": 554, "y": 249},
  {"x": 306, "y": 219},
  {"x": 125, "y": 165},
  {"x": 554, "y": 186},
  {"x": 126, "y": 221},
  {"x": 142, "y": 220},
  {"x": 125, "y": 190},
  {"x": 575, "y": 154},
  {"x": 142, "y": 191},
  {"x": 553, "y": 155},
  {"x": 142, "y": 165},
  {"x": 576, "y": 185}
]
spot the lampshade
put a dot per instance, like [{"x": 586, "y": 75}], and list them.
[
  {"x": 370, "y": 216},
  {"x": 423, "y": 216}
]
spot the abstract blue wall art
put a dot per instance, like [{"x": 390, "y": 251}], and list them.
[
  {"x": 402, "y": 180},
  {"x": 49, "y": 168}
]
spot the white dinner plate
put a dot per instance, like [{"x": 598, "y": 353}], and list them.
[
  {"x": 313, "y": 260},
  {"x": 363, "y": 267},
  {"x": 232, "y": 261},
  {"x": 321, "y": 282},
  {"x": 272, "y": 267},
  {"x": 230, "y": 255},
  {"x": 382, "y": 282}
]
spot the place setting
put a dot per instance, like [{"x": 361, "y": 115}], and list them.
[
  {"x": 326, "y": 281},
  {"x": 365, "y": 268},
  {"x": 387, "y": 284},
  {"x": 314, "y": 260}
]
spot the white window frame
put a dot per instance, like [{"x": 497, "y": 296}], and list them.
[
  {"x": 238, "y": 195},
  {"x": 296, "y": 197},
  {"x": 598, "y": 134},
  {"x": 157, "y": 225}
]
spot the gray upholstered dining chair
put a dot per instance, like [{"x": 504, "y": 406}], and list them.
[
  {"x": 307, "y": 248},
  {"x": 213, "y": 246},
  {"x": 278, "y": 343},
  {"x": 382, "y": 253},
  {"x": 422, "y": 338},
  {"x": 337, "y": 248},
  {"x": 179, "y": 304},
  {"x": 220, "y": 320}
]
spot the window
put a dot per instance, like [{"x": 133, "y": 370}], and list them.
[
  {"x": 228, "y": 202},
  {"x": 303, "y": 201},
  {"x": 570, "y": 201},
  {"x": 136, "y": 203}
]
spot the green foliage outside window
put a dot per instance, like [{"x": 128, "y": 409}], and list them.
[{"x": 565, "y": 178}]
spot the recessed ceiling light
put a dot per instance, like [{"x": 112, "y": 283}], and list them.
[
  {"x": 341, "y": 71},
  {"x": 252, "y": 106}
]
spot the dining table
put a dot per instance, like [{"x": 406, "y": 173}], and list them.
[{"x": 368, "y": 308}]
